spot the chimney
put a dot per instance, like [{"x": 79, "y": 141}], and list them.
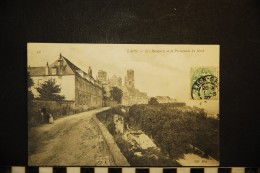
[
  {"x": 60, "y": 65},
  {"x": 47, "y": 69},
  {"x": 89, "y": 71}
]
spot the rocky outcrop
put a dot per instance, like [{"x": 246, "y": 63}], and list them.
[{"x": 116, "y": 153}]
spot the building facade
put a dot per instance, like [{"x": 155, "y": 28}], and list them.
[
  {"x": 76, "y": 85},
  {"x": 115, "y": 81},
  {"x": 131, "y": 95},
  {"x": 102, "y": 76},
  {"x": 165, "y": 99},
  {"x": 129, "y": 79}
]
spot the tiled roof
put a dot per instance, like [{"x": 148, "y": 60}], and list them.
[
  {"x": 73, "y": 69},
  {"x": 72, "y": 66},
  {"x": 36, "y": 71},
  {"x": 163, "y": 97},
  {"x": 76, "y": 70}
]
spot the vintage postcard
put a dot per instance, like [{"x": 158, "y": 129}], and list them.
[{"x": 123, "y": 105}]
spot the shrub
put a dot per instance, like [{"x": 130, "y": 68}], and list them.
[{"x": 173, "y": 127}]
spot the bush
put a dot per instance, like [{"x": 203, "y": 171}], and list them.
[{"x": 173, "y": 127}]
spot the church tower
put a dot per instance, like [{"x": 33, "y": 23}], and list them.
[
  {"x": 102, "y": 76},
  {"x": 129, "y": 79}
]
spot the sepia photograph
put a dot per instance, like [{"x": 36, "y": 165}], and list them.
[{"x": 123, "y": 104}]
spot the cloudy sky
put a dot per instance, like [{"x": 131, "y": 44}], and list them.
[{"x": 160, "y": 70}]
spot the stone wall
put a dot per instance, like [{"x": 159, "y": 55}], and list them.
[{"x": 56, "y": 108}]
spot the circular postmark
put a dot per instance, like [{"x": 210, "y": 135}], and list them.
[{"x": 205, "y": 88}]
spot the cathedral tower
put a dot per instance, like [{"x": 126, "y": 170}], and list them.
[{"x": 129, "y": 79}]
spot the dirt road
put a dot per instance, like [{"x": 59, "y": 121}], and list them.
[{"x": 74, "y": 140}]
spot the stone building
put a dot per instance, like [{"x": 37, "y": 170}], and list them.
[
  {"x": 76, "y": 85},
  {"x": 102, "y": 76},
  {"x": 115, "y": 81},
  {"x": 129, "y": 79},
  {"x": 131, "y": 95},
  {"x": 165, "y": 99}
]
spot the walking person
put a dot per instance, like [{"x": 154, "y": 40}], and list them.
[
  {"x": 42, "y": 117},
  {"x": 45, "y": 116},
  {"x": 50, "y": 118}
]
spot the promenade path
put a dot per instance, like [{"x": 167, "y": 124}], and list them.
[{"x": 75, "y": 140}]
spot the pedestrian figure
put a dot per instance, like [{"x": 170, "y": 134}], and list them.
[
  {"x": 45, "y": 115},
  {"x": 50, "y": 118},
  {"x": 42, "y": 117}
]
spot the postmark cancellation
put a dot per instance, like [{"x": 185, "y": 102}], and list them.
[{"x": 204, "y": 83}]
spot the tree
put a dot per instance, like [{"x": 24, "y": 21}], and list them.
[
  {"x": 153, "y": 101},
  {"x": 116, "y": 94},
  {"x": 50, "y": 91},
  {"x": 30, "y": 95},
  {"x": 30, "y": 83},
  {"x": 104, "y": 97}
]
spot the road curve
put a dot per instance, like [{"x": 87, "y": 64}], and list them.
[{"x": 74, "y": 140}]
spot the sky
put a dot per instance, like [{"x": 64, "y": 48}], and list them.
[{"x": 157, "y": 72}]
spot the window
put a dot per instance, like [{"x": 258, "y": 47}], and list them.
[
  {"x": 39, "y": 82},
  {"x": 54, "y": 71},
  {"x": 84, "y": 99}
]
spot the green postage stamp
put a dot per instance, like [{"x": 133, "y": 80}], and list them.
[{"x": 204, "y": 83}]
